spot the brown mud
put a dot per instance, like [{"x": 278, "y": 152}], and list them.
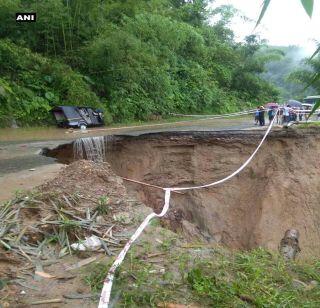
[
  {"x": 38, "y": 228},
  {"x": 279, "y": 190}
]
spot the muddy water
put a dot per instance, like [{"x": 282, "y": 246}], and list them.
[
  {"x": 19, "y": 148},
  {"x": 15, "y": 157},
  {"x": 53, "y": 133},
  {"x": 22, "y": 167}
]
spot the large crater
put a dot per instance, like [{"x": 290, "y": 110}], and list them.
[{"x": 280, "y": 189}]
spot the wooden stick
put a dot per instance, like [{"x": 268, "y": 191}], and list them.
[
  {"x": 150, "y": 185},
  {"x": 21, "y": 234},
  {"x": 24, "y": 254},
  {"x": 47, "y": 301}
]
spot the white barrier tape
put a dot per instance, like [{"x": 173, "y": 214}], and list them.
[
  {"x": 217, "y": 115},
  {"x": 301, "y": 110},
  {"x": 107, "y": 285},
  {"x": 214, "y": 117},
  {"x": 226, "y": 115}
]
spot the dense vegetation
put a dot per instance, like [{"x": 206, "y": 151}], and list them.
[{"x": 133, "y": 58}]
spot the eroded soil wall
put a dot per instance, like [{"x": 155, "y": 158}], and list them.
[{"x": 279, "y": 190}]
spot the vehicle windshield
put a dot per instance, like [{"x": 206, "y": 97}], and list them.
[{"x": 311, "y": 100}]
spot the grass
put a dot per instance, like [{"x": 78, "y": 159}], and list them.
[
  {"x": 309, "y": 125},
  {"x": 103, "y": 203},
  {"x": 96, "y": 275},
  {"x": 167, "y": 244},
  {"x": 257, "y": 278},
  {"x": 254, "y": 278},
  {"x": 244, "y": 279}
]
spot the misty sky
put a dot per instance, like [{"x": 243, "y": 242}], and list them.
[{"x": 285, "y": 22}]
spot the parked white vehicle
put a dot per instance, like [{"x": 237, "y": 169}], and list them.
[{"x": 311, "y": 99}]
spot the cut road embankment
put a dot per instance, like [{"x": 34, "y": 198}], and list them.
[{"x": 279, "y": 190}]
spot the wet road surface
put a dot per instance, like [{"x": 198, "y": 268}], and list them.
[
  {"x": 20, "y": 148},
  {"x": 21, "y": 162}
]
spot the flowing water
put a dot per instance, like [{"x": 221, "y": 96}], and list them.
[{"x": 91, "y": 148}]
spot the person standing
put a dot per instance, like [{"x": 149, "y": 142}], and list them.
[
  {"x": 286, "y": 114},
  {"x": 256, "y": 117},
  {"x": 261, "y": 116},
  {"x": 271, "y": 114},
  {"x": 280, "y": 116},
  {"x": 300, "y": 114}
]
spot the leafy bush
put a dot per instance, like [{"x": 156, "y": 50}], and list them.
[{"x": 32, "y": 84}]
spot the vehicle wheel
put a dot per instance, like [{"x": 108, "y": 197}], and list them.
[{"x": 82, "y": 124}]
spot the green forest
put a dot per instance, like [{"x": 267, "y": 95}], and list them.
[{"x": 132, "y": 58}]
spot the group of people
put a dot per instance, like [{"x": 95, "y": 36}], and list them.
[
  {"x": 285, "y": 114},
  {"x": 288, "y": 114},
  {"x": 259, "y": 115}
]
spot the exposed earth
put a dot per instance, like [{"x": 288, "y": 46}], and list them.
[{"x": 279, "y": 190}]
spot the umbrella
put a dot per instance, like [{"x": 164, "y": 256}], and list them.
[
  {"x": 271, "y": 105},
  {"x": 293, "y": 103}
]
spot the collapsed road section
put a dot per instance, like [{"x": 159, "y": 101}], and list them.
[{"x": 279, "y": 190}]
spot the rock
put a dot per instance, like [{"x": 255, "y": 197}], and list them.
[
  {"x": 299, "y": 284},
  {"x": 289, "y": 245},
  {"x": 190, "y": 230}
]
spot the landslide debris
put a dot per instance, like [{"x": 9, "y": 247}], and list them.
[{"x": 85, "y": 199}]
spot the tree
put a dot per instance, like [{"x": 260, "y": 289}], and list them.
[{"x": 135, "y": 58}]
